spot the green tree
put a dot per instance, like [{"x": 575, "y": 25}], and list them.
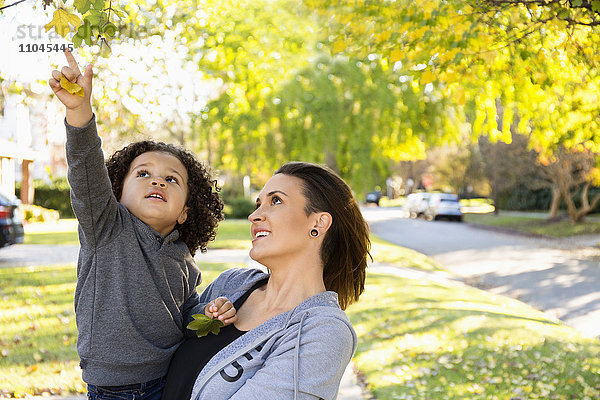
[{"x": 351, "y": 116}]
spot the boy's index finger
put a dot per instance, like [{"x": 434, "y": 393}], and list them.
[{"x": 72, "y": 62}]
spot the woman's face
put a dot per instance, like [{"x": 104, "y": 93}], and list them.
[{"x": 280, "y": 226}]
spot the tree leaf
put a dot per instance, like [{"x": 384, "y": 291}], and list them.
[
  {"x": 110, "y": 29},
  {"x": 99, "y": 4},
  {"x": 395, "y": 55},
  {"x": 97, "y": 18},
  {"x": 84, "y": 33},
  {"x": 339, "y": 46},
  {"x": 427, "y": 77},
  {"x": 203, "y": 325},
  {"x": 61, "y": 20},
  {"x": 71, "y": 87},
  {"x": 119, "y": 13},
  {"x": 77, "y": 40},
  {"x": 82, "y": 5}
]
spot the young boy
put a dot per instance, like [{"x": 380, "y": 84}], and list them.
[{"x": 142, "y": 216}]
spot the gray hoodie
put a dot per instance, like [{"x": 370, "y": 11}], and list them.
[
  {"x": 136, "y": 290},
  {"x": 299, "y": 354}
]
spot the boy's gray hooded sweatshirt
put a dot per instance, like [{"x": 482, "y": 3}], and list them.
[
  {"x": 299, "y": 354},
  {"x": 133, "y": 286}
]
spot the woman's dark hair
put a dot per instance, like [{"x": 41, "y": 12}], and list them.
[
  {"x": 205, "y": 208},
  {"x": 346, "y": 244}
]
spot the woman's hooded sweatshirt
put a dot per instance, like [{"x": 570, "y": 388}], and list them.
[{"x": 299, "y": 354}]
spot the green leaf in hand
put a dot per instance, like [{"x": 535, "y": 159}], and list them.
[{"x": 203, "y": 324}]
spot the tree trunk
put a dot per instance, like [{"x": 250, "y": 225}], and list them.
[
  {"x": 330, "y": 160},
  {"x": 554, "y": 205},
  {"x": 571, "y": 209}
]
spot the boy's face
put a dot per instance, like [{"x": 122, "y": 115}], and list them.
[{"x": 155, "y": 190}]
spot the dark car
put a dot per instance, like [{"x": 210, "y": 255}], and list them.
[
  {"x": 11, "y": 223},
  {"x": 443, "y": 206},
  {"x": 373, "y": 197}
]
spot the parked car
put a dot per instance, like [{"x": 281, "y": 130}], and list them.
[
  {"x": 11, "y": 223},
  {"x": 373, "y": 197},
  {"x": 443, "y": 206},
  {"x": 416, "y": 204}
]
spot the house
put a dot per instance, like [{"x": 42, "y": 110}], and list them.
[{"x": 32, "y": 138}]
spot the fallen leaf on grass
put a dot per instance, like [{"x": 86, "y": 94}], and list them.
[
  {"x": 71, "y": 87},
  {"x": 32, "y": 368}
]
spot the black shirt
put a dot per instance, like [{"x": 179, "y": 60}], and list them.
[{"x": 193, "y": 354}]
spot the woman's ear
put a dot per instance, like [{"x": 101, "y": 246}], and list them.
[{"x": 323, "y": 221}]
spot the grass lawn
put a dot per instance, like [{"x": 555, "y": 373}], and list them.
[
  {"x": 422, "y": 340},
  {"x": 386, "y": 252},
  {"x": 232, "y": 234},
  {"x": 417, "y": 339},
  {"x": 538, "y": 226},
  {"x": 62, "y": 232}
]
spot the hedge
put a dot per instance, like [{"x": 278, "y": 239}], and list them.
[{"x": 54, "y": 195}]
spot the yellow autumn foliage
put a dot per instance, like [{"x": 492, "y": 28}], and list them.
[{"x": 61, "y": 20}]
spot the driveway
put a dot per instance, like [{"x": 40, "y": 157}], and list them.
[{"x": 558, "y": 276}]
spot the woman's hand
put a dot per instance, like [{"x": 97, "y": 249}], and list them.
[
  {"x": 79, "y": 109},
  {"x": 222, "y": 309}
]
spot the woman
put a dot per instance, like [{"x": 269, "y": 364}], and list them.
[{"x": 291, "y": 339}]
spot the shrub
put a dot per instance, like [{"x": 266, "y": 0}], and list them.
[
  {"x": 523, "y": 198},
  {"x": 239, "y": 208},
  {"x": 53, "y": 196},
  {"x": 33, "y": 213}
]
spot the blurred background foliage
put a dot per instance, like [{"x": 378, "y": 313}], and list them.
[{"x": 363, "y": 86}]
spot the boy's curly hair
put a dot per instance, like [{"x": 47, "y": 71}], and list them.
[{"x": 205, "y": 208}]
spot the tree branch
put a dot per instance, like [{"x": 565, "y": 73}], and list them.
[
  {"x": 10, "y": 5},
  {"x": 585, "y": 5}
]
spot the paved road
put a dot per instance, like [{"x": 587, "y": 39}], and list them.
[{"x": 560, "y": 277}]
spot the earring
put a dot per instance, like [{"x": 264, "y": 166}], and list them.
[{"x": 314, "y": 233}]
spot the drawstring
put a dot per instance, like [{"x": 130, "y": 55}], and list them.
[{"x": 297, "y": 356}]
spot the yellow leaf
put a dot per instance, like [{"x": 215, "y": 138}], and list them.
[
  {"x": 395, "y": 55},
  {"x": 339, "y": 46},
  {"x": 489, "y": 56},
  {"x": 32, "y": 368},
  {"x": 449, "y": 55},
  {"x": 539, "y": 76},
  {"x": 450, "y": 77},
  {"x": 427, "y": 77},
  {"x": 384, "y": 37},
  {"x": 419, "y": 33},
  {"x": 71, "y": 87},
  {"x": 360, "y": 29},
  {"x": 61, "y": 20},
  {"x": 461, "y": 97}
]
